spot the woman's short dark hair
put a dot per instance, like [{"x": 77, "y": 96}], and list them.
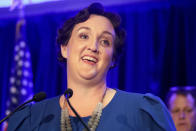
[
  {"x": 181, "y": 90},
  {"x": 64, "y": 33}
]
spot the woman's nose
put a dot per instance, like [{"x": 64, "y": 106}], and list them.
[{"x": 94, "y": 46}]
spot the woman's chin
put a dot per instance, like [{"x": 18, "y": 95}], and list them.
[{"x": 88, "y": 76}]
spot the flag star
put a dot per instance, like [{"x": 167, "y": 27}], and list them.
[
  {"x": 21, "y": 53},
  {"x": 20, "y": 63},
  {"x": 24, "y": 83},
  {"x": 26, "y": 64},
  {"x": 22, "y": 44},
  {"x": 7, "y": 112},
  {"x": 12, "y": 80},
  {"x": 13, "y": 90},
  {"x": 16, "y": 58},
  {"x": 23, "y": 92},
  {"x": 14, "y": 100}
]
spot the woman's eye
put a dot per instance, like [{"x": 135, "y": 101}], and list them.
[
  {"x": 105, "y": 42},
  {"x": 83, "y": 36}
]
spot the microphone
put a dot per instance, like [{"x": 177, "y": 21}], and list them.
[
  {"x": 37, "y": 97},
  {"x": 68, "y": 94}
]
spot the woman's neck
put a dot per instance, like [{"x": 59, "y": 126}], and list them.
[
  {"x": 85, "y": 93},
  {"x": 86, "y": 107},
  {"x": 85, "y": 98}
]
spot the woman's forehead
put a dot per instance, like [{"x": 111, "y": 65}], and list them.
[{"x": 96, "y": 23}]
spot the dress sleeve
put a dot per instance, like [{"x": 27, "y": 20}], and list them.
[
  {"x": 20, "y": 120},
  {"x": 155, "y": 114}
]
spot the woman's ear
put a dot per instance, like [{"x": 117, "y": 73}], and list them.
[{"x": 64, "y": 51}]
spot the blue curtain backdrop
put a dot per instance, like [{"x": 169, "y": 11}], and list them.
[{"x": 160, "y": 49}]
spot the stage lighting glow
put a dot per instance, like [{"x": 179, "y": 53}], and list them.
[{"x": 7, "y": 3}]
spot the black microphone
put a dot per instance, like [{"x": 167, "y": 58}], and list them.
[
  {"x": 37, "y": 97},
  {"x": 68, "y": 94}
]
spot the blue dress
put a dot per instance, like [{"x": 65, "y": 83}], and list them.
[{"x": 125, "y": 112}]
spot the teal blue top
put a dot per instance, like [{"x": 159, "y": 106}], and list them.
[{"x": 125, "y": 112}]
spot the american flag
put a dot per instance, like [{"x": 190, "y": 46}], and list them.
[{"x": 21, "y": 78}]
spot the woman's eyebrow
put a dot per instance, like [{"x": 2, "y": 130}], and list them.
[
  {"x": 104, "y": 32},
  {"x": 109, "y": 33},
  {"x": 83, "y": 27}
]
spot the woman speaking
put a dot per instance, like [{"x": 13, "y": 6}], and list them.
[{"x": 90, "y": 43}]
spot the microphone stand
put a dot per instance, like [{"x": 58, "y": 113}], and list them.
[
  {"x": 37, "y": 97},
  {"x": 69, "y": 94},
  {"x": 5, "y": 118}
]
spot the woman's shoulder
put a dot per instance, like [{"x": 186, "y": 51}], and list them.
[
  {"x": 50, "y": 102},
  {"x": 129, "y": 97},
  {"x": 135, "y": 102},
  {"x": 140, "y": 99},
  {"x": 22, "y": 119},
  {"x": 147, "y": 107}
]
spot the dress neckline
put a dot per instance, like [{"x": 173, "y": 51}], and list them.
[{"x": 105, "y": 108}]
